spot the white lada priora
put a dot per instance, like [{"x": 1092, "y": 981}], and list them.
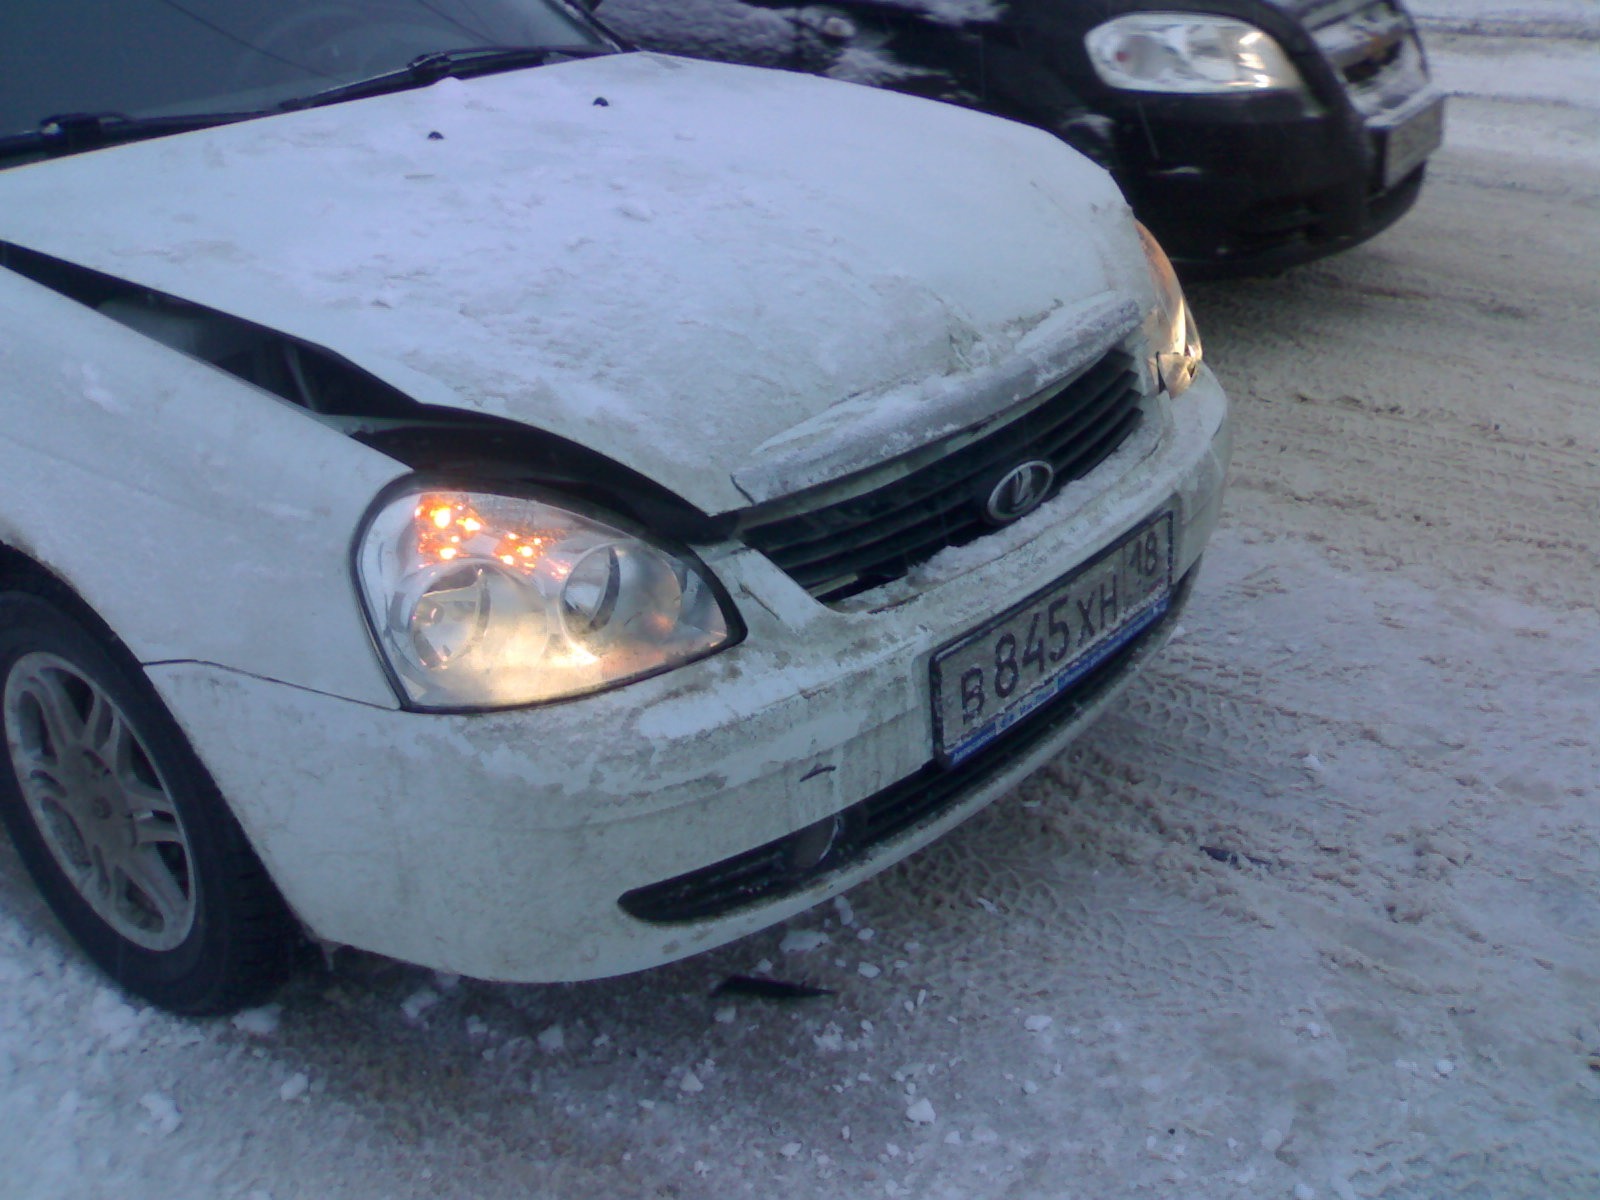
[{"x": 536, "y": 511}]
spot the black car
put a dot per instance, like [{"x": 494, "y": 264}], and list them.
[{"x": 1249, "y": 135}]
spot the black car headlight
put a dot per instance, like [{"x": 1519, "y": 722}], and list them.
[
  {"x": 480, "y": 599},
  {"x": 1193, "y": 53}
]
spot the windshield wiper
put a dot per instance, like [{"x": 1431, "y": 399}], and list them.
[
  {"x": 445, "y": 64},
  {"x": 67, "y": 133}
]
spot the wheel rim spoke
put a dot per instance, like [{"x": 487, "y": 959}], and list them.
[
  {"x": 61, "y": 725},
  {"x": 97, "y": 876},
  {"x": 68, "y": 831},
  {"x": 147, "y": 805},
  {"x": 158, "y": 829},
  {"x": 104, "y": 734},
  {"x": 46, "y": 747},
  {"x": 44, "y": 780},
  {"x": 144, "y": 870}
]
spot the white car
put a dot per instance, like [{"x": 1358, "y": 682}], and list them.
[{"x": 539, "y": 512}]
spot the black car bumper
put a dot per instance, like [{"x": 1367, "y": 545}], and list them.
[{"x": 1234, "y": 188}]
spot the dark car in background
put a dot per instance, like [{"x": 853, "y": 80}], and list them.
[{"x": 1249, "y": 135}]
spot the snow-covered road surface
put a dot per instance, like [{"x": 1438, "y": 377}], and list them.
[{"x": 1315, "y": 913}]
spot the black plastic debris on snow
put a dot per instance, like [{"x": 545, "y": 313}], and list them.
[
  {"x": 768, "y": 989},
  {"x": 1235, "y": 858}
]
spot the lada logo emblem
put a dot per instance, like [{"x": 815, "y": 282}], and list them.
[{"x": 1020, "y": 490}]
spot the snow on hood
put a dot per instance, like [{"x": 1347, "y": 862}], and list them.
[{"x": 674, "y": 263}]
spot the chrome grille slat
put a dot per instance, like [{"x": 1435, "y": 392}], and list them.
[
  {"x": 817, "y": 550},
  {"x": 871, "y": 538},
  {"x": 1124, "y": 401},
  {"x": 1092, "y": 456},
  {"x": 811, "y": 544},
  {"x": 912, "y": 549}
]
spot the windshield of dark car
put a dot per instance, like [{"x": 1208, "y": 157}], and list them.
[{"x": 157, "y": 58}]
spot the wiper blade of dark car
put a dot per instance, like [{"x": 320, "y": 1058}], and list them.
[
  {"x": 66, "y": 133},
  {"x": 441, "y": 64}
]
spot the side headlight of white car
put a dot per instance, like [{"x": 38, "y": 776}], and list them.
[
  {"x": 1190, "y": 53},
  {"x": 1174, "y": 338},
  {"x": 486, "y": 600}
]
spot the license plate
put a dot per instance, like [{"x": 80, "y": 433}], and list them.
[
  {"x": 1407, "y": 144},
  {"x": 996, "y": 675}
]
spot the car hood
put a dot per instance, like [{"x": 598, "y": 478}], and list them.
[{"x": 738, "y": 283}]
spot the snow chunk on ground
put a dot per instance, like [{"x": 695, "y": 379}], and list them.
[
  {"x": 803, "y": 941},
  {"x": 418, "y": 1003},
  {"x": 259, "y": 1022},
  {"x": 113, "y": 1020},
  {"x": 294, "y": 1087},
  {"x": 164, "y": 1114}
]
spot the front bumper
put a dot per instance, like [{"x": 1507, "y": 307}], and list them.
[
  {"x": 1236, "y": 186},
  {"x": 501, "y": 845}
]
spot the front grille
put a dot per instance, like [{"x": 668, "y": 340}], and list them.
[
  {"x": 1366, "y": 43},
  {"x": 782, "y": 867},
  {"x": 876, "y": 536}
]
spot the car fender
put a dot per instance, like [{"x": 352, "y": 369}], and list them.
[{"x": 108, "y": 428}]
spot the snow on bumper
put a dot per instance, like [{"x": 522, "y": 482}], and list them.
[{"x": 499, "y": 845}]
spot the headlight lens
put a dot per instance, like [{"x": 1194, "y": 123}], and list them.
[
  {"x": 482, "y": 600},
  {"x": 1188, "y": 53},
  {"x": 1174, "y": 339}
]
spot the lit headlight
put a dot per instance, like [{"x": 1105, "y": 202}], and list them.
[
  {"x": 1188, "y": 52},
  {"x": 1174, "y": 340},
  {"x": 480, "y": 600}
]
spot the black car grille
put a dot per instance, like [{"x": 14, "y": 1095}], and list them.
[
  {"x": 1364, "y": 43},
  {"x": 876, "y": 536},
  {"x": 791, "y": 863}
]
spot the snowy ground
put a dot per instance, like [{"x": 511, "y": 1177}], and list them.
[{"x": 1312, "y": 914}]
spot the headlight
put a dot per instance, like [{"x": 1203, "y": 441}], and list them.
[
  {"x": 482, "y": 600},
  {"x": 1188, "y": 52},
  {"x": 1174, "y": 340}
]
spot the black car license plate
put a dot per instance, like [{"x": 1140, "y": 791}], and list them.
[
  {"x": 1407, "y": 144},
  {"x": 987, "y": 681}
]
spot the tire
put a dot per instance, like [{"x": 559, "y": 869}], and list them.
[{"x": 121, "y": 826}]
